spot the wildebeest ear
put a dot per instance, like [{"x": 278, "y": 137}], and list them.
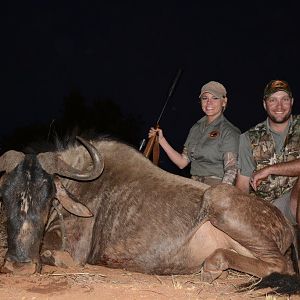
[
  {"x": 68, "y": 203},
  {"x": 10, "y": 159}
]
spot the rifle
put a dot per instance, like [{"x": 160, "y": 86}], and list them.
[{"x": 153, "y": 144}]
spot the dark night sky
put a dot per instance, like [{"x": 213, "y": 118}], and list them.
[{"x": 130, "y": 51}]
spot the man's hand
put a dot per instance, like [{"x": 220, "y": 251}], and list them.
[{"x": 258, "y": 176}]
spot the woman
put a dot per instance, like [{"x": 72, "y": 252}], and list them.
[{"x": 212, "y": 144}]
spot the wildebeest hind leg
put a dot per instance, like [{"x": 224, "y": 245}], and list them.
[
  {"x": 223, "y": 259},
  {"x": 258, "y": 234}
]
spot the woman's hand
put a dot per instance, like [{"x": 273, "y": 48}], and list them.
[{"x": 154, "y": 131}]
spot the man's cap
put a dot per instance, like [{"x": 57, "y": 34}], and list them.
[
  {"x": 215, "y": 88},
  {"x": 277, "y": 85}
]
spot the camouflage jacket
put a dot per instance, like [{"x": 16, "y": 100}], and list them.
[{"x": 264, "y": 154}]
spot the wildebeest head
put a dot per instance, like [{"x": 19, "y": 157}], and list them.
[{"x": 27, "y": 189}]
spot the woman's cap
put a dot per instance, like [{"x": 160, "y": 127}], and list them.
[
  {"x": 277, "y": 85},
  {"x": 215, "y": 88}
]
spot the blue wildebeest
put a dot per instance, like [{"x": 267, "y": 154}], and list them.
[{"x": 111, "y": 206}]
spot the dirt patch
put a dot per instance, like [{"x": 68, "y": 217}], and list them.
[{"x": 97, "y": 282}]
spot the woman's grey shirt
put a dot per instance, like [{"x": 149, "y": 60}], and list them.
[{"x": 207, "y": 145}]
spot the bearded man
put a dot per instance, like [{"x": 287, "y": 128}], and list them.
[{"x": 265, "y": 149}]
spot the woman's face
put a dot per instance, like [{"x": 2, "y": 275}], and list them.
[{"x": 212, "y": 106}]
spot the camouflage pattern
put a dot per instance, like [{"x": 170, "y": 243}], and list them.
[
  {"x": 264, "y": 154},
  {"x": 277, "y": 85},
  {"x": 230, "y": 169},
  {"x": 185, "y": 154}
]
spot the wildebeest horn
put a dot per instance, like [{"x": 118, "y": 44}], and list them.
[
  {"x": 10, "y": 159},
  {"x": 53, "y": 164}
]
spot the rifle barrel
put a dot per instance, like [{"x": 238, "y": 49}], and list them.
[
  {"x": 153, "y": 141},
  {"x": 170, "y": 94}
]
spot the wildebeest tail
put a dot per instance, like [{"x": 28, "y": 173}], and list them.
[{"x": 283, "y": 284}]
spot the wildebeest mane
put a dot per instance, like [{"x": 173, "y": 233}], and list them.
[{"x": 58, "y": 144}]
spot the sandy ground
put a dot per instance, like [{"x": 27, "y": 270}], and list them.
[{"x": 97, "y": 282}]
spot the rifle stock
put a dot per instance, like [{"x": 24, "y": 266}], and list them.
[
  {"x": 149, "y": 146},
  {"x": 152, "y": 144}
]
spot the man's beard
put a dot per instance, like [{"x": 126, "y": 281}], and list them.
[{"x": 280, "y": 121}]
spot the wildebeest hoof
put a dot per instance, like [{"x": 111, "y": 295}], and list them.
[
  {"x": 210, "y": 276},
  {"x": 57, "y": 258},
  {"x": 224, "y": 275},
  {"x": 19, "y": 268}
]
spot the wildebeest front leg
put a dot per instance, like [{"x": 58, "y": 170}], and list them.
[
  {"x": 259, "y": 232},
  {"x": 57, "y": 258}
]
